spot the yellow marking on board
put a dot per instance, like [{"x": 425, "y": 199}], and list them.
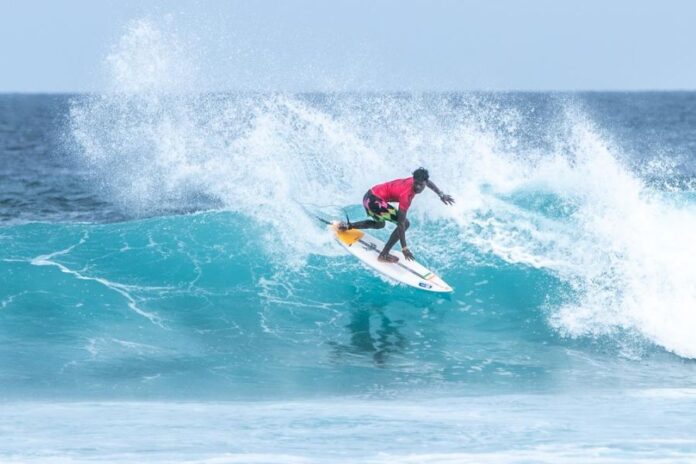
[{"x": 349, "y": 237}]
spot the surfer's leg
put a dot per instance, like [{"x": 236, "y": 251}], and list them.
[
  {"x": 367, "y": 224},
  {"x": 384, "y": 255},
  {"x": 394, "y": 237}
]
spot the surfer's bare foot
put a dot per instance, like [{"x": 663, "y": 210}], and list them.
[{"x": 387, "y": 258}]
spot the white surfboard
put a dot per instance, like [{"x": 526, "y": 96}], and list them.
[{"x": 367, "y": 248}]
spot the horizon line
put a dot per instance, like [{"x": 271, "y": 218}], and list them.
[{"x": 365, "y": 92}]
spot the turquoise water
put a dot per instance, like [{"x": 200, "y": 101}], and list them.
[
  {"x": 189, "y": 307},
  {"x": 166, "y": 294}
]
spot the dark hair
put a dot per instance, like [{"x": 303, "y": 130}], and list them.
[{"x": 421, "y": 175}]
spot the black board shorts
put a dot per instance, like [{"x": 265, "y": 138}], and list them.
[{"x": 379, "y": 209}]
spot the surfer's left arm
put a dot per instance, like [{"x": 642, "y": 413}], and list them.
[{"x": 446, "y": 199}]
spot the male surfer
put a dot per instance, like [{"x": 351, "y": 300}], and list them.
[{"x": 376, "y": 203}]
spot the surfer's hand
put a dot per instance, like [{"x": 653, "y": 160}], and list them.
[
  {"x": 447, "y": 199},
  {"x": 407, "y": 254}
]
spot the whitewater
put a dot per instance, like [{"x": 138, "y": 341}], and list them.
[{"x": 167, "y": 294}]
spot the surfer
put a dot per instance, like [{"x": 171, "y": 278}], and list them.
[{"x": 376, "y": 203}]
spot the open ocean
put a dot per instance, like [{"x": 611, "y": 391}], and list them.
[{"x": 166, "y": 294}]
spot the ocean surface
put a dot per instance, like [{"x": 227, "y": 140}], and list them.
[{"x": 167, "y": 295}]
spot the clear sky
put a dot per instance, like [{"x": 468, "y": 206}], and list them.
[{"x": 286, "y": 45}]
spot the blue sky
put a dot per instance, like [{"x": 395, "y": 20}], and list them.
[{"x": 59, "y": 46}]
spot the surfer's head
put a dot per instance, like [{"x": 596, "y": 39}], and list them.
[{"x": 420, "y": 177}]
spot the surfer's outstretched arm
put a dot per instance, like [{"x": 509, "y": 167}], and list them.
[{"x": 446, "y": 199}]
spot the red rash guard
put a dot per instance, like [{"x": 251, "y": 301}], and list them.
[{"x": 400, "y": 190}]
